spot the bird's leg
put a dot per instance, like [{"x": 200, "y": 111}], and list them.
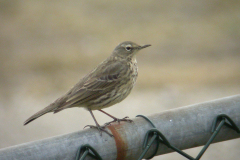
[
  {"x": 100, "y": 129},
  {"x": 115, "y": 119}
]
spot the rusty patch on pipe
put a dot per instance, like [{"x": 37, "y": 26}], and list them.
[{"x": 120, "y": 141}]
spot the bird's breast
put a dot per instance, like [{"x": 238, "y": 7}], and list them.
[{"x": 133, "y": 72}]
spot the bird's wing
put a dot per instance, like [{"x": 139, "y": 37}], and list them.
[{"x": 96, "y": 84}]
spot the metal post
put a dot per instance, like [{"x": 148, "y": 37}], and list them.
[{"x": 184, "y": 127}]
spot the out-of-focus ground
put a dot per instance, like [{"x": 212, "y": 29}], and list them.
[{"x": 47, "y": 46}]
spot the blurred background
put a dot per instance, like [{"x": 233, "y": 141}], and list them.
[{"x": 47, "y": 46}]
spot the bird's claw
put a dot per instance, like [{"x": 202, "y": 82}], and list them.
[
  {"x": 126, "y": 119},
  {"x": 100, "y": 129}
]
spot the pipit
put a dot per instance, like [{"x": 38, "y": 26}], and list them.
[{"x": 109, "y": 83}]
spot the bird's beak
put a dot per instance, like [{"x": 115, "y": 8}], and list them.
[{"x": 145, "y": 46}]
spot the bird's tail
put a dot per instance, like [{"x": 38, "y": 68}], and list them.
[{"x": 49, "y": 108}]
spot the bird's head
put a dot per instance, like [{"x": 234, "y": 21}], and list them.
[{"x": 128, "y": 49}]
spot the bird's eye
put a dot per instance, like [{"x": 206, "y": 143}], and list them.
[{"x": 128, "y": 48}]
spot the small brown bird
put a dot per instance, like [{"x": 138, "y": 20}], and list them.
[{"x": 109, "y": 83}]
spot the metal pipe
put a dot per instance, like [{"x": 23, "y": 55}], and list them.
[{"x": 184, "y": 127}]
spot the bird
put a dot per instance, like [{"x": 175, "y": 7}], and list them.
[{"x": 109, "y": 83}]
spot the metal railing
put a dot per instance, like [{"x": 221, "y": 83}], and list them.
[{"x": 179, "y": 128}]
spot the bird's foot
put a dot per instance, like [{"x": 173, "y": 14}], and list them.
[
  {"x": 126, "y": 119},
  {"x": 100, "y": 129}
]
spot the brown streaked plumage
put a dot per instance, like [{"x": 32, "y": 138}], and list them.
[{"x": 109, "y": 83}]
